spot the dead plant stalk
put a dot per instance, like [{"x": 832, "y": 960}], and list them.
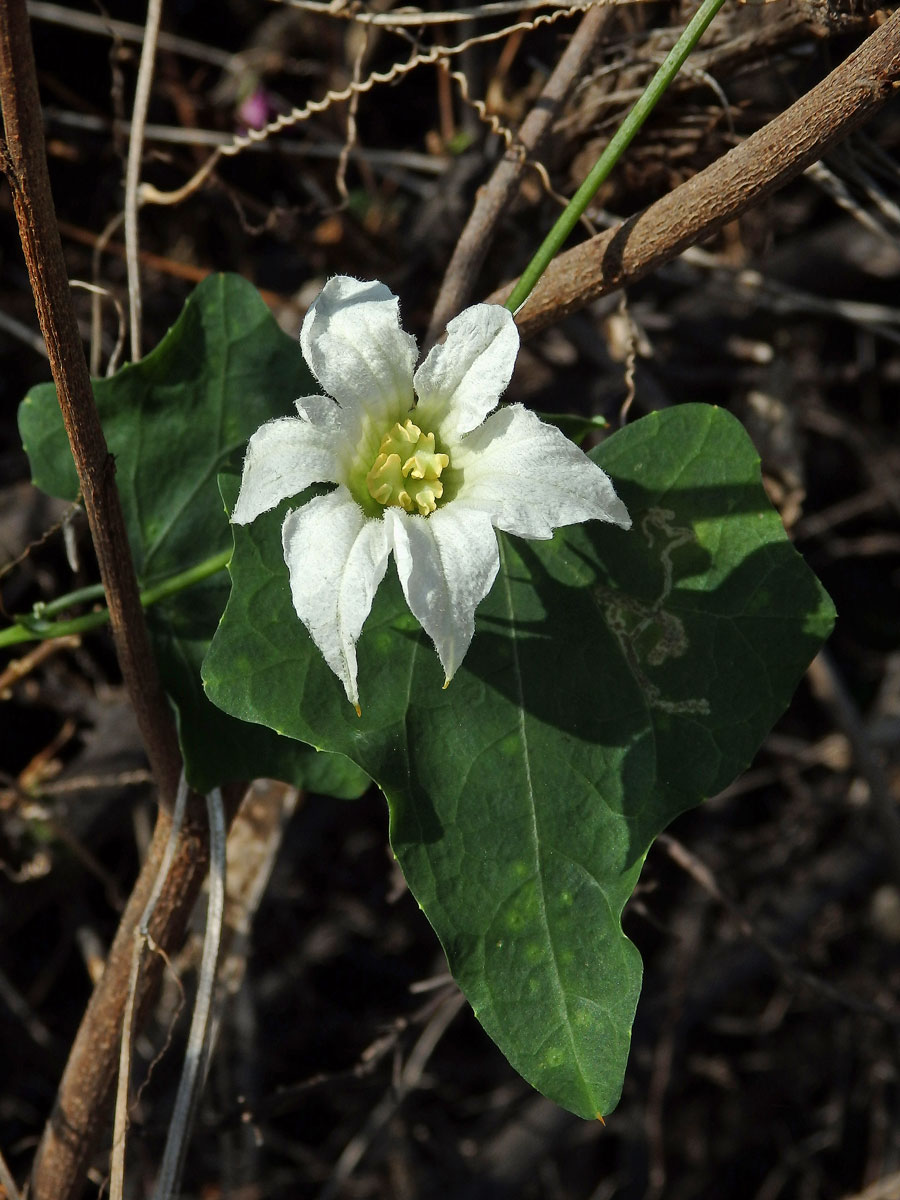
[
  {"x": 25, "y": 165},
  {"x": 81, "y": 1109}
]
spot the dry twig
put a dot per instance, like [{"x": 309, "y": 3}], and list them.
[
  {"x": 766, "y": 161},
  {"x": 25, "y": 165},
  {"x": 461, "y": 275},
  {"x": 399, "y": 70},
  {"x": 839, "y": 996},
  {"x": 133, "y": 171},
  {"x": 830, "y": 690}
]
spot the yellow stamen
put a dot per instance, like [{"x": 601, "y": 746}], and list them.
[{"x": 410, "y": 481}]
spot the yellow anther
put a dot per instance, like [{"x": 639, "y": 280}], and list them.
[
  {"x": 410, "y": 481},
  {"x": 407, "y": 432},
  {"x": 426, "y": 463},
  {"x": 427, "y": 497}
]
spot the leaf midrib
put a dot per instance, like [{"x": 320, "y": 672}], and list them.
[{"x": 523, "y": 737}]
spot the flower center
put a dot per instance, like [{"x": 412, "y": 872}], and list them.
[{"x": 406, "y": 471}]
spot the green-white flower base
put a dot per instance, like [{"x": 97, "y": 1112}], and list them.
[{"x": 615, "y": 678}]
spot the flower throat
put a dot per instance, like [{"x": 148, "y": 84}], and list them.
[{"x": 407, "y": 469}]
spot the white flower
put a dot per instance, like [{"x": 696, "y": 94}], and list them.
[{"x": 428, "y": 480}]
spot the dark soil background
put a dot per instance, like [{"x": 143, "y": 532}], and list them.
[{"x": 767, "y": 1044}]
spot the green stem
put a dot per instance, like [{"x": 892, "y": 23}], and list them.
[
  {"x": 617, "y": 145},
  {"x": 36, "y": 628},
  {"x": 86, "y": 595}
]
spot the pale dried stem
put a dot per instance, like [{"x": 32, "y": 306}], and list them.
[
  {"x": 831, "y": 691},
  {"x": 412, "y": 17},
  {"x": 7, "y": 1182},
  {"x": 787, "y": 965},
  {"x": 81, "y": 1112},
  {"x": 340, "y": 178},
  {"x": 197, "y": 1052},
  {"x": 409, "y": 1080},
  {"x": 493, "y": 200},
  {"x": 133, "y": 171},
  {"x": 141, "y": 942}
]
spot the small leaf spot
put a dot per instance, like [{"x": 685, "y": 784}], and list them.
[
  {"x": 534, "y": 952},
  {"x": 555, "y": 1057}
]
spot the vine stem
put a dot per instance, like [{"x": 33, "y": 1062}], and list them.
[
  {"x": 26, "y": 631},
  {"x": 24, "y": 162},
  {"x": 615, "y": 148}
]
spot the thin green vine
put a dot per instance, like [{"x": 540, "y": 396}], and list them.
[
  {"x": 615, "y": 148},
  {"x": 37, "y": 627}
]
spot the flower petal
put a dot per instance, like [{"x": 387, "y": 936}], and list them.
[
  {"x": 320, "y": 411},
  {"x": 336, "y": 557},
  {"x": 352, "y": 341},
  {"x": 284, "y": 457},
  {"x": 462, "y": 379},
  {"x": 447, "y": 564},
  {"x": 529, "y": 478}
]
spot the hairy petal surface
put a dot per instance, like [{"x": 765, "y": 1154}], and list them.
[
  {"x": 322, "y": 412},
  {"x": 461, "y": 380},
  {"x": 353, "y": 344},
  {"x": 336, "y": 558},
  {"x": 529, "y": 478},
  {"x": 284, "y": 457},
  {"x": 447, "y": 564}
]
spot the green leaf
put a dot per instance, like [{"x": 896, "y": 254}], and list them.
[
  {"x": 616, "y": 678},
  {"x": 172, "y": 422}
]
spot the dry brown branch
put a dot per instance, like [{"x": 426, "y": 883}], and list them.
[
  {"x": 25, "y": 164},
  {"x": 81, "y": 1111},
  {"x": 410, "y": 1078},
  {"x": 840, "y": 996},
  {"x": 766, "y": 161},
  {"x": 830, "y": 690},
  {"x": 460, "y": 278},
  {"x": 887, "y": 1188},
  {"x": 16, "y": 671}
]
